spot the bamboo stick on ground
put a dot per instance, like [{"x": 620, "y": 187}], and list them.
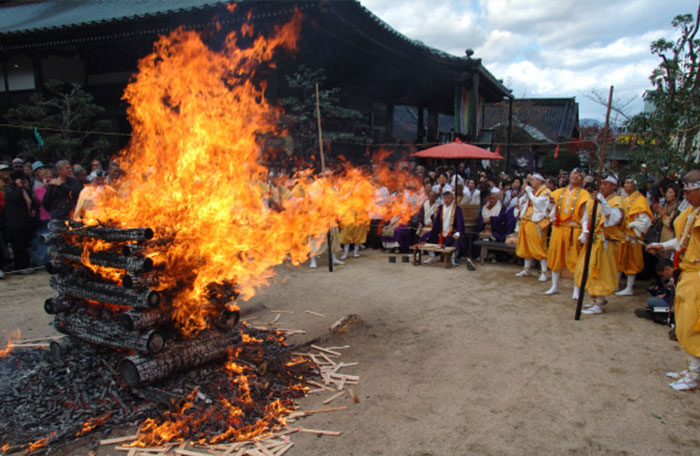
[
  {"x": 112, "y": 441},
  {"x": 326, "y": 350},
  {"x": 334, "y": 397},
  {"x": 319, "y": 431},
  {"x": 314, "y": 313}
]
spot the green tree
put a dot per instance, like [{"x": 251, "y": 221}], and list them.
[
  {"x": 667, "y": 135},
  {"x": 65, "y": 116},
  {"x": 339, "y": 124}
]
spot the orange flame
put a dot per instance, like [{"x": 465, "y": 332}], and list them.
[
  {"x": 232, "y": 414},
  {"x": 193, "y": 173},
  {"x": 92, "y": 423},
  {"x": 11, "y": 341},
  {"x": 40, "y": 443}
]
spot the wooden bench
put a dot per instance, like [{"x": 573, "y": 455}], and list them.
[
  {"x": 491, "y": 245},
  {"x": 446, "y": 252}
]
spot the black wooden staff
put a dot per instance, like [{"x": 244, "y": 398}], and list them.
[
  {"x": 594, "y": 214},
  {"x": 323, "y": 168}
]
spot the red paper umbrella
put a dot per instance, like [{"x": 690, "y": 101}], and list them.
[{"x": 458, "y": 149}]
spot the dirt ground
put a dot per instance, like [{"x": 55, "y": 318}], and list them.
[{"x": 454, "y": 362}]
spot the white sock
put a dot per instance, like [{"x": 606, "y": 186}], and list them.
[
  {"x": 346, "y": 248},
  {"x": 576, "y": 292},
  {"x": 694, "y": 367},
  {"x": 543, "y": 265},
  {"x": 555, "y": 279},
  {"x": 528, "y": 263},
  {"x": 630, "y": 281},
  {"x": 356, "y": 248},
  {"x": 432, "y": 254}
]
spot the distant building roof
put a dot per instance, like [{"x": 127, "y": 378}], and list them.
[
  {"x": 552, "y": 119},
  {"x": 22, "y": 17},
  {"x": 28, "y": 24}
]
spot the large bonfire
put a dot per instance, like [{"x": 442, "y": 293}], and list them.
[{"x": 194, "y": 172}]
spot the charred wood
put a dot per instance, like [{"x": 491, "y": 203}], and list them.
[
  {"x": 56, "y": 305},
  {"x": 227, "y": 319},
  {"x": 107, "y": 259},
  {"x": 103, "y": 292},
  {"x": 58, "y": 349},
  {"x": 209, "y": 346},
  {"x": 133, "y": 320},
  {"x": 52, "y": 238},
  {"x": 104, "y": 233},
  {"x": 135, "y": 281},
  {"x": 108, "y": 333}
]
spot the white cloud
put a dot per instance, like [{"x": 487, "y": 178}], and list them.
[{"x": 554, "y": 48}]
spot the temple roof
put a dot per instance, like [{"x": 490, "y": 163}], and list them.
[{"x": 550, "y": 119}]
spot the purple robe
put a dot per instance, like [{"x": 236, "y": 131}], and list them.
[
  {"x": 498, "y": 225},
  {"x": 403, "y": 236},
  {"x": 433, "y": 236}
]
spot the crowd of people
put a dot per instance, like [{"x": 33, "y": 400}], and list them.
[
  {"x": 32, "y": 194},
  {"x": 650, "y": 228}
]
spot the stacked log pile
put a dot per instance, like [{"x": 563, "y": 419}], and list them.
[{"x": 127, "y": 309}]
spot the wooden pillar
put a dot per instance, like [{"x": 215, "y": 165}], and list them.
[
  {"x": 432, "y": 125},
  {"x": 509, "y": 138},
  {"x": 419, "y": 137},
  {"x": 474, "y": 108},
  {"x": 389, "y": 127}
]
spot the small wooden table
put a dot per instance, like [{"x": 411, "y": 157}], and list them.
[
  {"x": 446, "y": 252},
  {"x": 491, "y": 245}
]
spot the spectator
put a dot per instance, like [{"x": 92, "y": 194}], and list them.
[
  {"x": 80, "y": 174},
  {"x": 17, "y": 164},
  {"x": 471, "y": 195},
  {"x": 95, "y": 165},
  {"x": 39, "y": 251},
  {"x": 666, "y": 214},
  {"x": 659, "y": 303},
  {"x": 62, "y": 192},
  {"x": 20, "y": 210},
  {"x": 38, "y": 169}
]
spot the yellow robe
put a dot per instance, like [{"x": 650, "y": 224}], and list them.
[
  {"x": 532, "y": 236},
  {"x": 354, "y": 234},
  {"x": 564, "y": 247},
  {"x": 687, "y": 300},
  {"x": 602, "y": 271},
  {"x": 630, "y": 258}
]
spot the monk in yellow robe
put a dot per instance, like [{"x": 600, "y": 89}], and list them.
[
  {"x": 564, "y": 247},
  {"x": 532, "y": 234},
  {"x": 686, "y": 245},
  {"x": 353, "y": 234},
  {"x": 607, "y": 232},
  {"x": 638, "y": 217}
]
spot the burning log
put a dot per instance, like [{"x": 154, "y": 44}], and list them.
[
  {"x": 56, "y": 305},
  {"x": 51, "y": 238},
  {"x": 107, "y": 259},
  {"x": 134, "y": 281},
  {"x": 104, "y": 292},
  {"x": 227, "y": 319},
  {"x": 101, "y": 232},
  {"x": 57, "y": 267},
  {"x": 136, "y": 369},
  {"x": 109, "y": 334},
  {"x": 133, "y": 320}
]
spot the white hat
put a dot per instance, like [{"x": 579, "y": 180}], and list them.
[
  {"x": 691, "y": 185},
  {"x": 538, "y": 176},
  {"x": 611, "y": 178},
  {"x": 436, "y": 188},
  {"x": 495, "y": 190},
  {"x": 447, "y": 189}
]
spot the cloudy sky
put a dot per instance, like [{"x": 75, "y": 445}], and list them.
[{"x": 547, "y": 48}]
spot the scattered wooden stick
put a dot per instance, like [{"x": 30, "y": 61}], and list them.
[
  {"x": 326, "y": 350},
  {"x": 352, "y": 394},
  {"x": 112, "y": 441},
  {"x": 318, "y": 431},
  {"x": 313, "y": 412},
  {"x": 314, "y": 313},
  {"x": 282, "y": 311},
  {"x": 334, "y": 397},
  {"x": 275, "y": 320}
]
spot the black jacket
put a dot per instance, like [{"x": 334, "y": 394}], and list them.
[
  {"x": 59, "y": 200},
  {"x": 16, "y": 212}
]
